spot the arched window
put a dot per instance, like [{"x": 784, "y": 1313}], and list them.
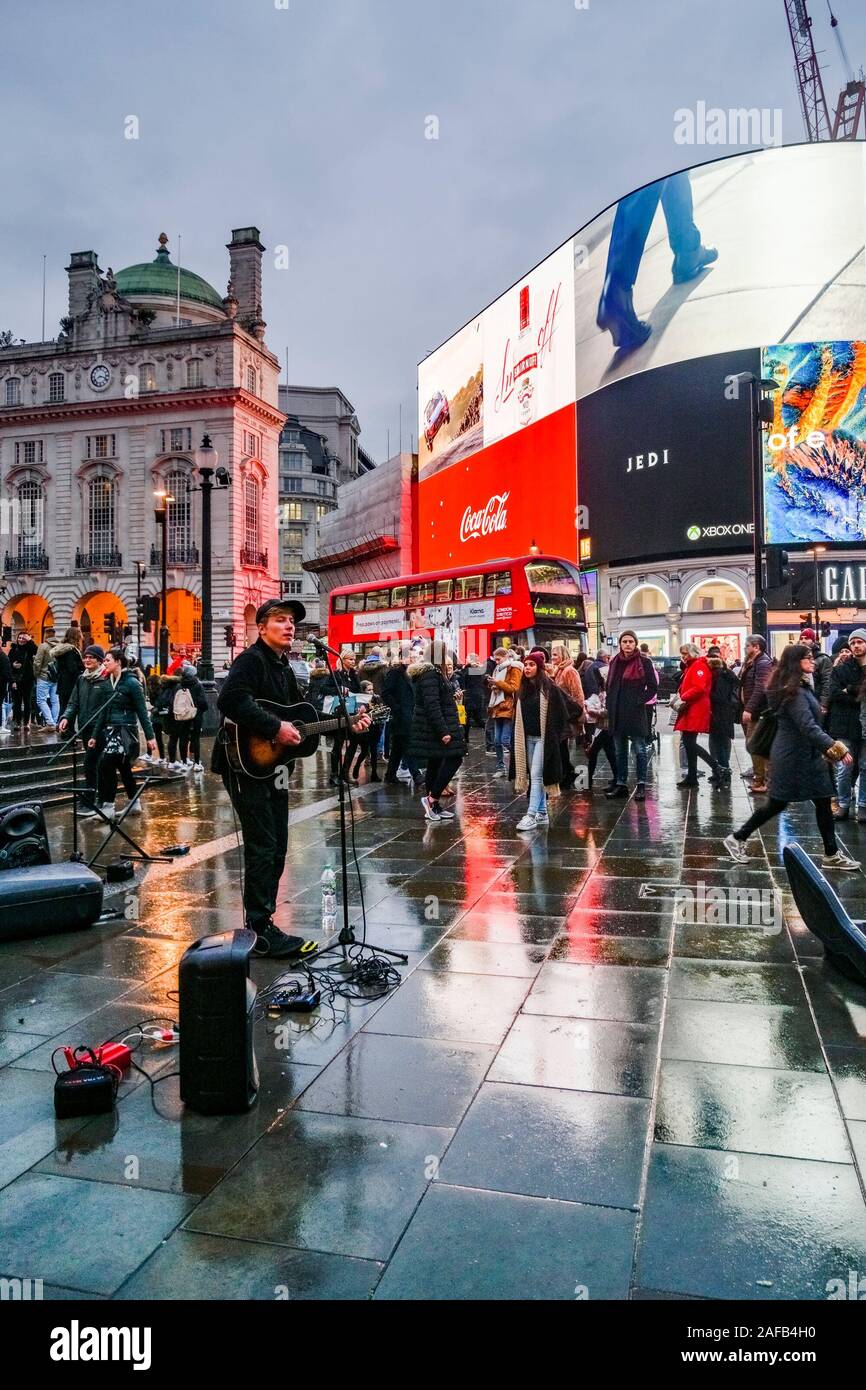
[
  {"x": 179, "y": 518},
  {"x": 645, "y": 601},
  {"x": 147, "y": 376},
  {"x": 251, "y": 380},
  {"x": 31, "y": 519},
  {"x": 251, "y": 518},
  {"x": 13, "y": 390},
  {"x": 101, "y": 509},
  {"x": 193, "y": 372},
  {"x": 716, "y": 595},
  {"x": 56, "y": 386}
]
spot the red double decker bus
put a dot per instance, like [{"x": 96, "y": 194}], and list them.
[{"x": 532, "y": 600}]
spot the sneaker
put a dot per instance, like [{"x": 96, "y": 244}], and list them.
[
  {"x": 528, "y": 822},
  {"x": 174, "y": 767},
  {"x": 403, "y": 774},
  {"x": 616, "y": 792},
  {"x": 542, "y": 818},
  {"x": 430, "y": 812},
  {"x": 839, "y": 860},
  {"x": 447, "y": 815},
  {"x": 500, "y": 772},
  {"x": 88, "y": 813},
  {"x": 688, "y": 782},
  {"x": 736, "y": 849},
  {"x": 108, "y": 809},
  {"x": 135, "y": 809},
  {"x": 198, "y": 767},
  {"x": 270, "y": 941}
]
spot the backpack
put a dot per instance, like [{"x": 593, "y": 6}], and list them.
[{"x": 183, "y": 707}]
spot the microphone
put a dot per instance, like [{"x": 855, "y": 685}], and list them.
[{"x": 323, "y": 647}]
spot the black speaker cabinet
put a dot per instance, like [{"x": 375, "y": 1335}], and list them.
[
  {"x": 48, "y": 898},
  {"x": 23, "y": 837},
  {"x": 218, "y": 1071}
]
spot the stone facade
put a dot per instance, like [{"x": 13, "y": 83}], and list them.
[{"x": 92, "y": 423}]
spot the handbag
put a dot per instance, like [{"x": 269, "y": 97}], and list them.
[
  {"x": 119, "y": 742},
  {"x": 760, "y": 741}
]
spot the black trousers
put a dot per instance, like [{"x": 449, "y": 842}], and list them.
[
  {"x": 439, "y": 774},
  {"x": 568, "y": 778},
  {"x": 602, "y": 743},
  {"x": 110, "y": 769},
  {"x": 823, "y": 815},
  {"x": 263, "y": 812},
  {"x": 22, "y": 697},
  {"x": 693, "y": 752},
  {"x": 399, "y": 753}
]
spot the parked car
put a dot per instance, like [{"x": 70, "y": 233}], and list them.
[{"x": 437, "y": 414}]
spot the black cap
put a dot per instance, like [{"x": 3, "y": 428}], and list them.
[{"x": 281, "y": 605}]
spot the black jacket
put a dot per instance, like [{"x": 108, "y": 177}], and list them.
[
  {"x": 843, "y": 717},
  {"x": 724, "y": 699},
  {"x": 473, "y": 683},
  {"x": 822, "y": 673},
  {"x": 798, "y": 769},
  {"x": 591, "y": 679},
  {"x": 67, "y": 659},
  {"x": 21, "y": 656},
  {"x": 627, "y": 700},
  {"x": 5, "y": 675},
  {"x": 127, "y": 707},
  {"x": 435, "y": 715},
  {"x": 256, "y": 674},
  {"x": 399, "y": 696},
  {"x": 89, "y": 694},
  {"x": 556, "y": 728}
]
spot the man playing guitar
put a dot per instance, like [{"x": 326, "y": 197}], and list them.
[{"x": 262, "y": 672}]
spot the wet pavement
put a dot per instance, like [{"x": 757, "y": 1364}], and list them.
[{"x": 570, "y": 1094}]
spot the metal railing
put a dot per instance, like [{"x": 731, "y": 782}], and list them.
[
  {"x": 177, "y": 555},
  {"x": 98, "y": 559},
  {"x": 258, "y": 558},
  {"x": 28, "y": 558}
]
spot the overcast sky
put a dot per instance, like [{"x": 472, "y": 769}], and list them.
[{"x": 311, "y": 121}]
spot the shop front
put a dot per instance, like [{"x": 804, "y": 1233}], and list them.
[{"x": 827, "y": 594}]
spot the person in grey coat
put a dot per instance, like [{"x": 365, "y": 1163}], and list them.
[{"x": 799, "y": 766}]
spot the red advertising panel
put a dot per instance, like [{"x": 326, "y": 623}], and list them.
[{"x": 519, "y": 491}]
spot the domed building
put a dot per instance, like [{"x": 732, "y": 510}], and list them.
[{"x": 147, "y": 362}]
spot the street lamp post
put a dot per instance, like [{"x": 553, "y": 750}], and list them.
[
  {"x": 207, "y": 460},
  {"x": 816, "y": 551},
  {"x": 161, "y": 517},
  {"x": 760, "y": 413}
]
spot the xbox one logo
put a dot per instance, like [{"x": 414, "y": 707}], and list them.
[{"x": 694, "y": 533}]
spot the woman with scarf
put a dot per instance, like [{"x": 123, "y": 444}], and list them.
[
  {"x": 632, "y": 682},
  {"x": 540, "y": 725},
  {"x": 694, "y": 715},
  {"x": 802, "y": 754}
]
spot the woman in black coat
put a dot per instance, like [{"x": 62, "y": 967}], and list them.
[
  {"x": 398, "y": 695},
  {"x": 67, "y": 659},
  {"x": 799, "y": 767},
  {"x": 631, "y": 683},
  {"x": 436, "y": 738}
]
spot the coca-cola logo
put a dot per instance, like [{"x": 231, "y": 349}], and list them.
[{"x": 492, "y": 517}]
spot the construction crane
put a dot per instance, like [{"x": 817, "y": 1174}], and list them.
[{"x": 850, "y": 110}]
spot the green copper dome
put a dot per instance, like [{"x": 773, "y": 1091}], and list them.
[{"x": 160, "y": 277}]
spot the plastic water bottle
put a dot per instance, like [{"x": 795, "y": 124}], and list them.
[{"x": 329, "y": 902}]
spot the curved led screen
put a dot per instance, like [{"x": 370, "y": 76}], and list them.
[{"x": 659, "y": 301}]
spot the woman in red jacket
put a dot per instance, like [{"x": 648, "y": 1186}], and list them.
[{"x": 694, "y": 713}]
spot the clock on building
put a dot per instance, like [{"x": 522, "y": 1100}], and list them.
[{"x": 100, "y": 376}]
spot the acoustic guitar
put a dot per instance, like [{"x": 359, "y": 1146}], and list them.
[{"x": 259, "y": 757}]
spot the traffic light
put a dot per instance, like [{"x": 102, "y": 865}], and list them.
[
  {"x": 111, "y": 627},
  {"x": 147, "y": 606},
  {"x": 779, "y": 571},
  {"x": 231, "y": 641}
]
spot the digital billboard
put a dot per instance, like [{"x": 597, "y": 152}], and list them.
[
  {"x": 757, "y": 248},
  {"x": 674, "y": 289},
  {"x": 815, "y": 450},
  {"x": 664, "y": 459}
]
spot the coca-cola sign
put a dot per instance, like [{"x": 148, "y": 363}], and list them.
[{"x": 493, "y": 516}]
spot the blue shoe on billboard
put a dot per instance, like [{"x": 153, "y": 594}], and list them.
[
  {"x": 616, "y": 316},
  {"x": 687, "y": 267}
]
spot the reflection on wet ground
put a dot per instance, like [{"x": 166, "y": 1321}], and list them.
[{"x": 576, "y": 1084}]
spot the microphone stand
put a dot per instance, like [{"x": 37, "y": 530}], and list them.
[{"x": 346, "y": 936}]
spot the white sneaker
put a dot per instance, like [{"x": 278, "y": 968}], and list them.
[
  {"x": 528, "y": 822},
  {"x": 500, "y": 772},
  {"x": 403, "y": 774},
  {"x": 447, "y": 815},
  {"x": 839, "y": 860},
  {"x": 108, "y": 809},
  {"x": 429, "y": 812},
  {"x": 542, "y": 818},
  {"x": 198, "y": 767},
  {"x": 175, "y": 767},
  {"x": 736, "y": 849},
  {"x": 135, "y": 809}
]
